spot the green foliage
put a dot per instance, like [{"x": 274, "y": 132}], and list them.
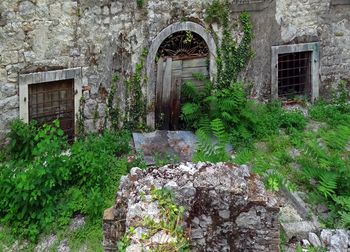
[
  {"x": 55, "y": 181},
  {"x": 292, "y": 120},
  {"x": 243, "y": 120},
  {"x": 124, "y": 242},
  {"x": 217, "y": 12},
  {"x": 231, "y": 58},
  {"x": 326, "y": 168},
  {"x": 81, "y": 118},
  {"x": 89, "y": 236},
  {"x": 113, "y": 112},
  {"x": 140, "y": 3},
  {"x": 330, "y": 113},
  {"x": 134, "y": 116},
  {"x": 171, "y": 222},
  {"x": 29, "y": 189},
  {"x": 336, "y": 111},
  {"x": 341, "y": 96},
  {"x": 22, "y": 140},
  {"x": 209, "y": 148}
]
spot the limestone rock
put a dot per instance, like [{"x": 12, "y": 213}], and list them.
[
  {"x": 314, "y": 240},
  {"x": 335, "y": 240},
  {"x": 339, "y": 241},
  {"x": 299, "y": 230},
  {"x": 221, "y": 201}
]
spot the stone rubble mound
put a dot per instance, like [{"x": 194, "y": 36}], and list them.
[{"x": 226, "y": 208}]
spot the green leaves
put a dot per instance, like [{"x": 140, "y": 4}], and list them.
[
  {"x": 22, "y": 140},
  {"x": 34, "y": 190}
]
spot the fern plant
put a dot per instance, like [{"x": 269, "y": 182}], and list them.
[
  {"x": 212, "y": 146},
  {"x": 325, "y": 169}
]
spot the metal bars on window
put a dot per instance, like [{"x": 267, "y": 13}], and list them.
[
  {"x": 294, "y": 74},
  {"x": 51, "y": 101}
]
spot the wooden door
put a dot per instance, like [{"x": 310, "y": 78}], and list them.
[{"x": 171, "y": 74}]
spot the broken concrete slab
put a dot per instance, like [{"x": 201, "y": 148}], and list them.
[{"x": 165, "y": 144}]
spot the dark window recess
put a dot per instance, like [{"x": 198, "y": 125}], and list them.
[
  {"x": 294, "y": 75},
  {"x": 51, "y": 101}
]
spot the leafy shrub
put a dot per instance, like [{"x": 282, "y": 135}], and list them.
[
  {"x": 29, "y": 189},
  {"x": 93, "y": 158},
  {"x": 22, "y": 140},
  {"x": 54, "y": 181}
]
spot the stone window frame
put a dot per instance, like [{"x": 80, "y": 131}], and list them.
[
  {"x": 239, "y": 6},
  {"x": 340, "y": 2},
  {"x": 314, "y": 48},
  {"x": 48, "y": 77}
]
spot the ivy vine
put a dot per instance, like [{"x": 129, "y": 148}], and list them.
[
  {"x": 134, "y": 116},
  {"x": 81, "y": 119},
  {"x": 113, "y": 112},
  {"x": 231, "y": 58}
]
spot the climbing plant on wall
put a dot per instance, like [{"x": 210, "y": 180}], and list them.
[
  {"x": 232, "y": 57},
  {"x": 134, "y": 116},
  {"x": 222, "y": 109}
]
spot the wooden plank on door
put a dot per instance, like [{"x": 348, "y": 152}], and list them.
[
  {"x": 159, "y": 89},
  {"x": 188, "y": 72},
  {"x": 175, "y": 102},
  {"x": 200, "y": 62},
  {"x": 166, "y": 94},
  {"x": 176, "y": 64}
]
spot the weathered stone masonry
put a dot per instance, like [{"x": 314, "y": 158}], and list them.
[
  {"x": 226, "y": 209},
  {"x": 106, "y": 37}
]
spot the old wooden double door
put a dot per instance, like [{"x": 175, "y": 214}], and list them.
[{"x": 172, "y": 73}]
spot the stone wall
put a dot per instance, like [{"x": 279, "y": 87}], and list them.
[
  {"x": 226, "y": 209},
  {"x": 105, "y": 37},
  {"x": 324, "y": 21}
]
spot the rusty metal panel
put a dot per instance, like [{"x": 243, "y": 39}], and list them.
[{"x": 51, "y": 101}]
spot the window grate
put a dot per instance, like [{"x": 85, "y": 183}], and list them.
[
  {"x": 294, "y": 74},
  {"x": 51, "y": 101}
]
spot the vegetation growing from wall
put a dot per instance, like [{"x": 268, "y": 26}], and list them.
[
  {"x": 222, "y": 109},
  {"x": 113, "y": 111},
  {"x": 231, "y": 57},
  {"x": 140, "y": 3},
  {"x": 134, "y": 116}
]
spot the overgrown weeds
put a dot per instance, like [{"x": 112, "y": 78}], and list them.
[
  {"x": 46, "y": 180},
  {"x": 316, "y": 160}
]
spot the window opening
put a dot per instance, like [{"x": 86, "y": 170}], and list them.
[
  {"x": 294, "y": 74},
  {"x": 51, "y": 101}
]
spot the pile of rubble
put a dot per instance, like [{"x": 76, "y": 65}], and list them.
[{"x": 226, "y": 208}]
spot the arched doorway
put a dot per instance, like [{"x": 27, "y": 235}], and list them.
[
  {"x": 178, "y": 51},
  {"x": 182, "y": 55}
]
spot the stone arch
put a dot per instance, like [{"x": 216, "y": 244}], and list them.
[{"x": 151, "y": 66}]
